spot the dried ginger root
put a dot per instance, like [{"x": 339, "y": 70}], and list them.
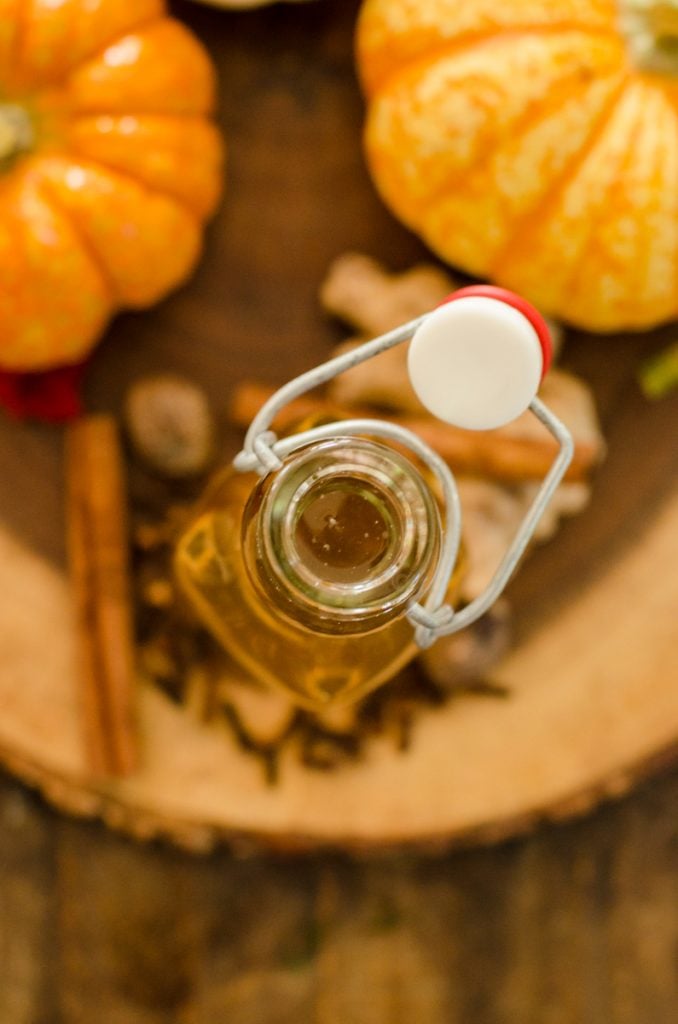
[
  {"x": 360, "y": 292},
  {"x": 492, "y": 514}
]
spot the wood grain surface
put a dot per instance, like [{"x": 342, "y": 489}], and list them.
[{"x": 576, "y": 924}]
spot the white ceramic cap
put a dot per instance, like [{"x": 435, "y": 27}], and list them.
[{"x": 476, "y": 362}]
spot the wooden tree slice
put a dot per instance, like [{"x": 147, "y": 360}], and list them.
[
  {"x": 593, "y": 704},
  {"x": 592, "y": 679}
]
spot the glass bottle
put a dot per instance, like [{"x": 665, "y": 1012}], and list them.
[
  {"x": 305, "y": 576},
  {"x": 311, "y": 576}
]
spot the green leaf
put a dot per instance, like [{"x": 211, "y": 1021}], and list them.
[{"x": 659, "y": 375}]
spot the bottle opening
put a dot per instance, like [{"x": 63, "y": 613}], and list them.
[
  {"x": 346, "y": 535},
  {"x": 344, "y": 530}
]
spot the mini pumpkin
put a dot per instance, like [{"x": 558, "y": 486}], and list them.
[
  {"x": 534, "y": 142},
  {"x": 108, "y": 168}
]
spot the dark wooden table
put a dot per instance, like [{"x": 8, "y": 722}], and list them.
[{"x": 577, "y": 924}]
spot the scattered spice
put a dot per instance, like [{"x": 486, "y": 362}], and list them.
[
  {"x": 170, "y": 425},
  {"x": 98, "y": 551},
  {"x": 467, "y": 656},
  {"x": 326, "y": 751},
  {"x": 186, "y": 663}
]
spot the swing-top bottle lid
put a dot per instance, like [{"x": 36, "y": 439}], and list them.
[{"x": 477, "y": 360}]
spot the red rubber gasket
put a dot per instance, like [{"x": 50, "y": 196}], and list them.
[{"x": 491, "y": 291}]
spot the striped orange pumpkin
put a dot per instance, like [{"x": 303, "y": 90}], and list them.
[{"x": 535, "y": 143}]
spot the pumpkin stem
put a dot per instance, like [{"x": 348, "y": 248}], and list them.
[
  {"x": 16, "y": 133},
  {"x": 651, "y": 27}
]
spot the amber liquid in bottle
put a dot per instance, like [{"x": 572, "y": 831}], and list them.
[{"x": 305, "y": 577}]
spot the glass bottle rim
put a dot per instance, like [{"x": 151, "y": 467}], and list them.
[{"x": 403, "y": 502}]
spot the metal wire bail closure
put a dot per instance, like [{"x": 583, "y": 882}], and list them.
[{"x": 475, "y": 361}]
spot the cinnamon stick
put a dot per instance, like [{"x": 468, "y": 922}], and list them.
[
  {"x": 96, "y": 518},
  {"x": 495, "y": 453}
]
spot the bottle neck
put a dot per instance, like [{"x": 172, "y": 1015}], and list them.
[{"x": 344, "y": 537}]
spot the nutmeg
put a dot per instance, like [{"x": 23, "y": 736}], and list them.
[{"x": 170, "y": 425}]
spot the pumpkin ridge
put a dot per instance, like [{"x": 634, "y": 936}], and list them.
[
  {"x": 49, "y": 81},
  {"x": 593, "y": 223},
  {"x": 183, "y": 50},
  {"x": 551, "y": 102},
  {"x": 125, "y": 177},
  {"x": 90, "y": 248},
  {"x": 179, "y": 115},
  {"x": 472, "y": 40},
  {"x": 134, "y": 26},
  {"x": 21, "y": 16},
  {"x": 199, "y": 211},
  {"x": 576, "y": 275},
  {"x": 538, "y": 213},
  {"x": 47, "y": 194}
]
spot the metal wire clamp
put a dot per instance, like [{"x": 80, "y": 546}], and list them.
[{"x": 263, "y": 452}]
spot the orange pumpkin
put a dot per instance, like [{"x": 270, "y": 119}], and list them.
[
  {"x": 534, "y": 142},
  {"x": 108, "y": 168}
]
